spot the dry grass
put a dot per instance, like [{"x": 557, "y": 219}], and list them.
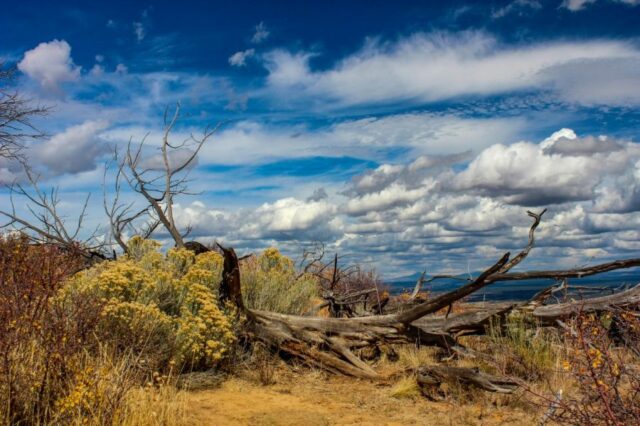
[
  {"x": 523, "y": 349},
  {"x": 406, "y": 387},
  {"x": 155, "y": 405},
  {"x": 308, "y": 397}
]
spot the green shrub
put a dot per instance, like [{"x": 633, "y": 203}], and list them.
[{"x": 270, "y": 282}]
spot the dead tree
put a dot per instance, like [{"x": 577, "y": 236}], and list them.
[
  {"x": 624, "y": 299},
  {"x": 348, "y": 291},
  {"x": 332, "y": 343},
  {"x": 16, "y": 114},
  {"x": 47, "y": 225},
  {"x": 159, "y": 179}
]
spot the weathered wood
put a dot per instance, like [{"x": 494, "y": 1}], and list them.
[
  {"x": 624, "y": 299},
  {"x": 418, "y": 288},
  {"x": 329, "y": 343},
  {"x": 464, "y": 323},
  {"x": 573, "y": 273},
  {"x": 230, "y": 289},
  {"x": 434, "y": 375}
]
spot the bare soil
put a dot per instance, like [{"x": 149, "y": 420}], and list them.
[{"x": 314, "y": 398}]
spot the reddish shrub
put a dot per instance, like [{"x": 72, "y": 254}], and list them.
[
  {"x": 36, "y": 336},
  {"x": 603, "y": 362}
]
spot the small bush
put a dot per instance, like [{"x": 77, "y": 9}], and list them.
[
  {"x": 39, "y": 342},
  {"x": 604, "y": 352},
  {"x": 522, "y": 348},
  {"x": 163, "y": 307},
  {"x": 270, "y": 282}
]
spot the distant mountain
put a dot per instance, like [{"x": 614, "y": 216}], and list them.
[{"x": 520, "y": 290}]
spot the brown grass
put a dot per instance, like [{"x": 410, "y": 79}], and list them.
[{"x": 308, "y": 397}]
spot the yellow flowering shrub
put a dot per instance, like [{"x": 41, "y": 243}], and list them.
[
  {"x": 163, "y": 307},
  {"x": 270, "y": 282}
]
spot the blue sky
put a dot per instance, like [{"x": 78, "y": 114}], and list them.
[{"x": 405, "y": 135}]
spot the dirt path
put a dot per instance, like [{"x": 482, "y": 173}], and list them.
[{"x": 314, "y": 399}]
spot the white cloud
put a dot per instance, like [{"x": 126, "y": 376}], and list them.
[
  {"x": 576, "y": 5},
  {"x": 74, "y": 150},
  {"x": 50, "y": 64},
  {"x": 606, "y": 81},
  {"x": 261, "y": 33},
  {"x": 239, "y": 59},
  {"x": 393, "y": 195},
  {"x": 139, "y": 31},
  {"x": 289, "y": 214},
  {"x": 439, "y": 66},
  {"x": 517, "y": 6},
  {"x": 97, "y": 70},
  {"x": 429, "y": 133},
  {"x": 369, "y": 138},
  {"x": 530, "y": 174}
]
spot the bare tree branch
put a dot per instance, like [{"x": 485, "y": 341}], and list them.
[{"x": 158, "y": 187}]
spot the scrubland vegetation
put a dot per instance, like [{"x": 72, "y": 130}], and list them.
[
  {"x": 109, "y": 344},
  {"x": 104, "y": 345}
]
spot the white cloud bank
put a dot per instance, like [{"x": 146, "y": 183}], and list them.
[
  {"x": 440, "y": 66},
  {"x": 398, "y": 215}
]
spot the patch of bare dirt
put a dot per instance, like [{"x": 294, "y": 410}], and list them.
[{"x": 313, "y": 398}]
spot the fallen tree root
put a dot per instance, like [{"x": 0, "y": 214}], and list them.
[{"x": 432, "y": 376}]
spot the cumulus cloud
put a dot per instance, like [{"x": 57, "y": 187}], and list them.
[
  {"x": 50, "y": 64},
  {"x": 176, "y": 158},
  {"x": 75, "y": 150},
  {"x": 10, "y": 171},
  {"x": 97, "y": 70},
  {"x": 398, "y": 215},
  {"x": 318, "y": 195},
  {"x": 560, "y": 169},
  {"x": 438, "y": 66},
  {"x": 391, "y": 196},
  {"x": 289, "y": 214},
  {"x": 239, "y": 59},
  {"x": 587, "y": 146},
  {"x": 409, "y": 176}
]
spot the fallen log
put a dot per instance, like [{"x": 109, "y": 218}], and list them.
[
  {"x": 624, "y": 299},
  {"x": 329, "y": 343},
  {"x": 464, "y": 323}
]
